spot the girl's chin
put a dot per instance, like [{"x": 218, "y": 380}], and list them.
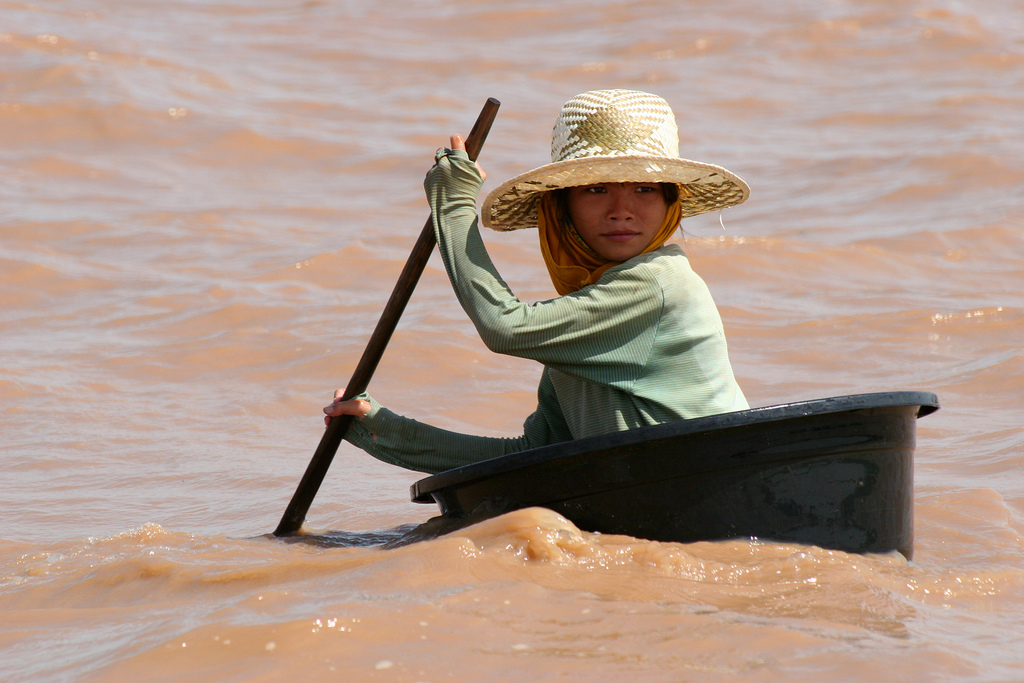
[
  {"x": 621, "y": 249},
  {"x": 620, "y": 254}
]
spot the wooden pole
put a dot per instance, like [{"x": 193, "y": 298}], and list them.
[{"x": 295, "y": 514}]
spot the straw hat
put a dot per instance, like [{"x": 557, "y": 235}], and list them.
[{"x": 613, "y": 136}]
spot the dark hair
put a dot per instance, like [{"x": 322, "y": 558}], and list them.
[{"x": 671, "y": 192}]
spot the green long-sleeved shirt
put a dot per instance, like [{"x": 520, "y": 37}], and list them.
[{"x": 644, "y": 345}]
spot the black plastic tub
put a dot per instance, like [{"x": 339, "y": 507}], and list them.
[{"x": 834, "y": 472}]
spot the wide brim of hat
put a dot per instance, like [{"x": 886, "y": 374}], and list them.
[{"x": 513, "y": 205}]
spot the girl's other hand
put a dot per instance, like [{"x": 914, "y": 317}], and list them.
[{"x": 355, "y": 406}]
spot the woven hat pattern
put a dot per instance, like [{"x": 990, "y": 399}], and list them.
[
  {"x": 613, "y": 136},
  {"x": 614, "y": 123}
]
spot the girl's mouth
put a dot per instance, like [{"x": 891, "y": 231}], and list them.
[{"x": 619, "y": 236}]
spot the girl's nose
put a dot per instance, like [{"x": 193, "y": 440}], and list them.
[{"x": 620, "y": 205}]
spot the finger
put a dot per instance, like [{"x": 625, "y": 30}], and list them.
[
  {"x": 458, "y": 143},
  {"x": 338, "y": 393},
  {"x": 338, "y": 408},
  {"x": 335, "y": 409},
  {"x": 357, "y": 407}
]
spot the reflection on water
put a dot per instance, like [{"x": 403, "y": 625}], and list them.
[{"x": 351, "y": 539}]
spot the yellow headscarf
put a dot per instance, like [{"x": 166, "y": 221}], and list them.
[{"x": 571, "y": 262}]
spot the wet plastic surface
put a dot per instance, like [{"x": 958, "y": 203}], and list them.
[{"x": 834, "y": 472}]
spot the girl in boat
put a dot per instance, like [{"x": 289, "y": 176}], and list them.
[{"x": 634, "y": 339}]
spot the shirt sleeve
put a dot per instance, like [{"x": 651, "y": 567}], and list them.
[
  {"x": 603, "y": 333},
  {"x": 411, "y": 444}
]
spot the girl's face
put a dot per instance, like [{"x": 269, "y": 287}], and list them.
[{"x": 618, "y": 220}]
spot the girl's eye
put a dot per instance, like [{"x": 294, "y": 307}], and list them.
[
  {"x": 594, "y": 189},
  {"x": 645, "y": 188}
]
